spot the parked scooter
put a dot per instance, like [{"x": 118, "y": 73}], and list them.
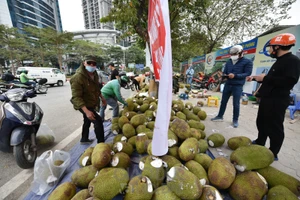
[{"x": 19, "y": 123}]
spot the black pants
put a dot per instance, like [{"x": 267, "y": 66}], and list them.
[
  {"x": 137, "y": 85},
  {"x": 269, "y": 122},
  {"x": 98, "y": 125}
]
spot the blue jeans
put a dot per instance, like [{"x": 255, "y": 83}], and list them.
[
  {"x": 113, "y": 102},
  {"x": 236, "y": 92},
  {"x": 189, "y": 80}
]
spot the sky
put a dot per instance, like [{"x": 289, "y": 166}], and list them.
[{"x": 72, "y": 17}]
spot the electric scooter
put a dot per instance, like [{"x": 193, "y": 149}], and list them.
[{"x": 19, "y": 123}]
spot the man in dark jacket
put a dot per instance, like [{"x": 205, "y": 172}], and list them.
[
  {"x": 85, "y": 98},
  {"x": 237, "y": 68},
  {"x": 275, "y": 91}
]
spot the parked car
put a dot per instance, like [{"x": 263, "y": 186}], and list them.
[{"x": 103, "y": 76}]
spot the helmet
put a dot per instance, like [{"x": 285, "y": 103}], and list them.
[
  {"x": 236, "y": 49},
  {"x": 125, "y": 79},
  {"x": 284, "y": 39}
]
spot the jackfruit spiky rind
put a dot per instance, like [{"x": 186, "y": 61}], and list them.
[
  {"x": 140, "y": 143},
  {"x": 86, "y": 158},
  {"x": 101, "y": 155},
  {"x": 204, "y": 160},
  {"x": 66, "y": 191},
  {"x": 173, "y": 151},
  {"x": 251, "y": 157},
  {"x": 150, "y": 125},
  {"x": 215, "y": 140},
  {"x": 202, "y": 114},
  {"x": 248, "y": 185},
  {"x": 82, "y": 195},
  {"x": 281, "y": 192},
  {"x": 170, "y": 160},
  {"x": 180, "y": 115},
  {"x": 196, "y": 109},
  {"x": 123, "y": 147},
  {"x": 235, "y": 142},
  {"x": 138, "y": 119},
  {"x": 138, "y": 189},
  {"x": 221, "y": 173},
  {"x": 128, "y": 130},
  {"x": 196, "y": 124},
  {"x": 109, "y": 183},
  {"x": 276, "y": 177},
  {"x": 144, "y": 107},
  {"x": 210, "y": 192},
  {"x": 164, "y": 193},
  {"x": 180, "y": 128},
  {"x": 195, "y": 133},
  {"x": 198, "y": 170},
  {"x": 121, "y": 160},
  {"x": 130, "y": 104},
  {"x": 184, "y": 183},
  {"x": 155, "y": 173},
  {"x": 122, "y": 120},
  {"x": 83, "y": 176},
  {"x": 203, "y": 145},
  {"x": 188, "y": 149}
]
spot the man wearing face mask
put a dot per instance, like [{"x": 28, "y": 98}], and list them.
[
  {"x": 237, "y": 68},
  {"x": 86, "y": 91},
  {"x": 275, "y": 91}
]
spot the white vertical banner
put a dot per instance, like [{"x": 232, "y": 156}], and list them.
[{"x": 160, "y": 44}]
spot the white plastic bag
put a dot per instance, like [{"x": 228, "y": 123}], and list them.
[{"x": 46, "y": 173}]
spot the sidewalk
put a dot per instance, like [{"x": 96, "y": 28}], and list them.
[{"x": 289, "y": 155}]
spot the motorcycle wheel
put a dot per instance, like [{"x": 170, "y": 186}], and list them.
[
  {"x": 24, "y": 154},
  {"x": 132, "y": 87},
  {"x": 212, "y": 86},
  {"x": 42, "y": 88}
]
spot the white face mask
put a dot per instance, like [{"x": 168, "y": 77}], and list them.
[{"x": 235, "y": 57}]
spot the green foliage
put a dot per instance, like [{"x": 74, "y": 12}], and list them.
[{"x": 135, "y": 55}]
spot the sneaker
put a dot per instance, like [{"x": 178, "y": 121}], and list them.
[
  {"x": 235, "y": 123},
  {"x": 86, "y": 141},
  {"x": 276, "y": 159},
  {"x": 217, "y": 119}
]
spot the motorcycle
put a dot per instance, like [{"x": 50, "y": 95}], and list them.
[
  {"x": 199, "y": 84},
  {"x": 40, "y": 86},
  {"x": 19, "y": 123},
  {"x": 211, "y": 83}
]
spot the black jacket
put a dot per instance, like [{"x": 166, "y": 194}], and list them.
[{"x": 282, "y": 77}]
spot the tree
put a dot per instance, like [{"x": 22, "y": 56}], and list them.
[
  {"x": 14, "y": 46},
  {"x": 135, "y": 55},
  {"x": 115, "y": 53},
  {"x": 234, "y": 21}
]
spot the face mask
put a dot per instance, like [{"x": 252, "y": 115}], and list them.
[
  {"x": 90, "y": 68},
  {"x": 234, "y": 58}
]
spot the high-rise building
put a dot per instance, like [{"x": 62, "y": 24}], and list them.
[
  {"x": 93, "y": 11},
  {"x": 38, "y": 13}
]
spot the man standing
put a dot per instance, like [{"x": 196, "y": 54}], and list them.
[
  {"x": 189, "y": 75},
  {"x": 85, "y": 98},
  {"x": 237, "y": 68},
  {"x": 112, "y": 94},
  {"x": 275, "y": 91},
  {"x": 114, "y": 72}
]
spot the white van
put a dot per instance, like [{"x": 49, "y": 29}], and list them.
[{"x": 53, "y": 75}]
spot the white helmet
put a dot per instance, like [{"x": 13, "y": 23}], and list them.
[{"x": 236, "y": 49}]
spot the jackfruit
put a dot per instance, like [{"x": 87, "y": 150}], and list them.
[
  {"x": 139, "y": 188},
  {"x": 128, "y": 130},
  {"x": 248, "y": 186},
  {"x": 203, "y": 145},
  {"x": 119, "y": 138},
  {"x": 130, "y": 104},
  {"x": 173, "y": 151},
  {"x": 203, "y": 134},
  {"x": 170, "y": 160},
  {"x": 122, "y": 120},
  {"x": 215, "y": 140},
  {"x": 137, "y": 120},
  {"x": 221, "y": 173},
  {"x": 251, "y": 157},
  {"x": 235, "y": 142},
  {"x": 204, "y": 160},
  {"x": 132, "y": 141},
  {"x": 177, "y": 107},
  {"x": 195, "y": 133},
  {"x": 198, "y": 170},
  {"x": 149, "y": 148},
  {"x": 164, "y": 193},
  {"x": 64, "y": 191},
  {"x": 58, "y": 162},
  {"x": 83, "y": 176},
  {"x": 202, "y": 115},
  {"x": 196, "y": 109},
  {"x": 210, "y": 193},
  {"x": 44, "y": 139},
  {"x": 136, "y": 107},
  {"x": 196, "y": 124},
  {"x": 281, "y": 192},
  {"x": 140, "y": 143},
  {"x": 101, "y": 155},
  {"x": 153, "y": 106},
  {"x": 141, "y": 129},
  {"x": 180, "y": 115},
  {"x": 123, "y": 147},
  {"x": 107, "y": 185},
  {"x": 130, "y": 114},
  {"x": 150, "y": 125},
  {"x": 121, "y": 160},
  {"x": 180, "y": 128},
  {"x": 275, "y": 177},
  {"x": 188, "y": 149},
  {"x": 82, "y": 195},
  {"x": 190, "y": 115},
  {"x": 184, "y": 183},
  {"x": 149, "y": 134},
  {"x": 189, "y": 105},
  {"x": 149, "y": 115},
  {"x": 144, "y": 107},
  {"x": 154, "y": 170},
  {"x": 115, "y": 129},
  {"x": 172, "y": 138},
  {"x": 115, "y": 120}
]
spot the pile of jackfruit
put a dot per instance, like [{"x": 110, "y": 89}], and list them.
[{"x": 186, "y": 172}]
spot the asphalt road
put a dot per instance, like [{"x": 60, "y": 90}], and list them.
[{"x": 59, "y": 117}]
